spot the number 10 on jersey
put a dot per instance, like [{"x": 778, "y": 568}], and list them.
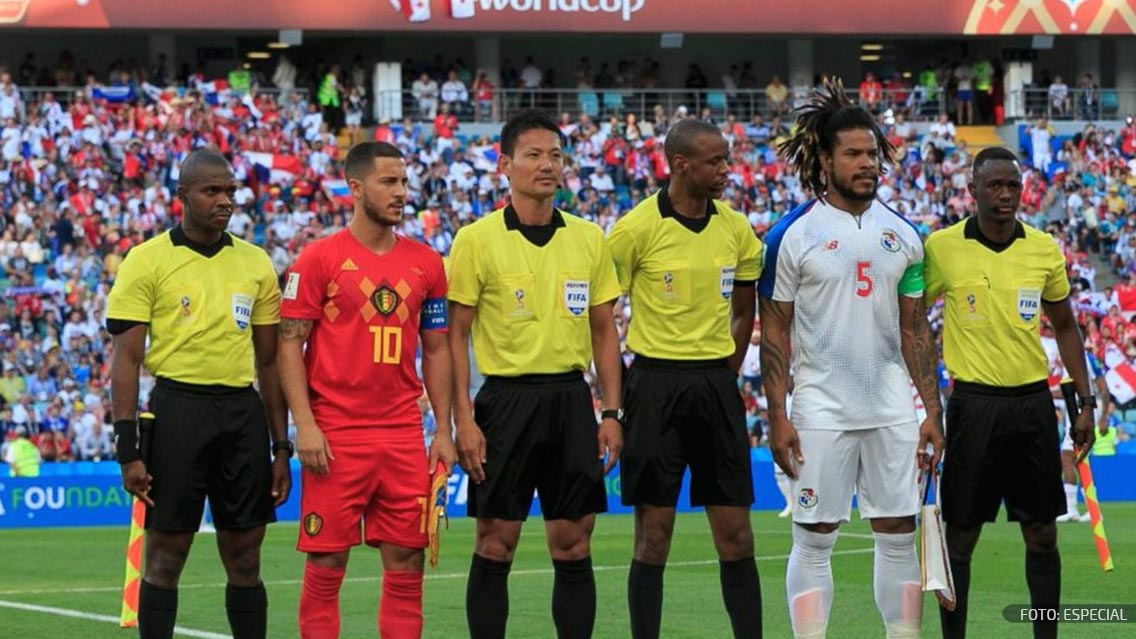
[
  {"x": 388, "y": 344},
  {"x": 864, "y": 283}
]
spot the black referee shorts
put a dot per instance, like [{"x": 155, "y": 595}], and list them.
[
  {"x": 1002, "y": 445},
  {"x": 208, "y": 440},
  {"x": 681, "y": 414},
  {"x": 540, "y": 434}
]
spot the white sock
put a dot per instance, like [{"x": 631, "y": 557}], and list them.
[
  {"x": 899, "y": 595},
  {"x": 1071, "y": 499},
  {"x": 785, "y": 486},
  {"x": 808, "y": 582}
]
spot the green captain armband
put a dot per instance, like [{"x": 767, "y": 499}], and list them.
[{"x": 912, "y": 282}]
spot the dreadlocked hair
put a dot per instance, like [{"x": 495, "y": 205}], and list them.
[{"x": 828, "y": 112}]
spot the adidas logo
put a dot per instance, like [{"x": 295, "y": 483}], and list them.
[{"x": 348, "y": 265}]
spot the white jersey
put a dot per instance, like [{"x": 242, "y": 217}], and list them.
[{"x": 844, "y": 276}]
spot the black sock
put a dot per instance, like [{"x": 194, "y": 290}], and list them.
[
  {"x": 157, "y": 611},
  {"x": 741, "y": 590},
  {"x": 954, "y": 623},
  {"x": 574, "y": 598},
  {"x": 645, "y": 599},
  {"x": 1043, "y": 576},
  {"x": 487, "y": 598},
  {"x": 248, "y": 611}
]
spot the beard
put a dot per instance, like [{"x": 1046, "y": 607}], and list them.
[
  {"x": 847, "y": 188},
  {"x": 375, "y": 214}
]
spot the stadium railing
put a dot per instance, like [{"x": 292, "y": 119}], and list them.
[
  {"x": 604, "y": 103},
  {"x": 1108, "y": 104}
]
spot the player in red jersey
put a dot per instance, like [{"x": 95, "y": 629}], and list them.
[{"x": 360, "y": 299}]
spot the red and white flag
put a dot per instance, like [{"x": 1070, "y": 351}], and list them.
[
  {"x": 1122, "y": 382},
  {"x": 414, "y": 10}
]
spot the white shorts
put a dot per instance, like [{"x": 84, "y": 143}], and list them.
[{"x": 879, "y": 464}]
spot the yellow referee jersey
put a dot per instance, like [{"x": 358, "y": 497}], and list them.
[
  {"x": 200, "y": 307},
  {"x": 532, "y": 300},
  {"x": 993, "y": 297},
  {"x": 681, "y": 275}
]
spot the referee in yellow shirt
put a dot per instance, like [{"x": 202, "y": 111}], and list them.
[
  {"x": 210, "y": 305},
  {"x": 536, "y": 286},
  {"x": 997, "y": 276},
  {"x": 690, "y": 264}
]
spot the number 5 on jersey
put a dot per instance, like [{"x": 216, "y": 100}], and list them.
[
  {"x": 864, "y": 283},
  {"x": 388, "y": 344}
]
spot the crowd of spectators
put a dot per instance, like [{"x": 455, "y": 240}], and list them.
[{"x": 83, "y": 179}]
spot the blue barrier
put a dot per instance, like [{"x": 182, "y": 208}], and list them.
[{"x": 91, "y": 494}]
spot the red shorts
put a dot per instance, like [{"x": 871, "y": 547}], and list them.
[{"x": 374, "y": 490}]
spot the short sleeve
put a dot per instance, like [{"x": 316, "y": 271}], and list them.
[
  {"x": 305, "y": 286},
  {"x": 1057, "y": 280},
  {"x": 624, "y": 251},
  {"x": 749, "y": 254},
  {"x": 434, "y": 312},
  {"x": 912, "y": 283},
  {"x": 132, "y": 297},
  {"x": 780, "y": 277},
  {"x": 605, "y": 284},
  {"x": 266, "y": 310},
  {"x": 465, "y": 271},
  {"x": 933, "y": 286}
]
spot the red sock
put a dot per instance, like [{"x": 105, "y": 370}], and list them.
[
  {"x": 400, "y": 611},
  {"x": 319, "y": 602}
]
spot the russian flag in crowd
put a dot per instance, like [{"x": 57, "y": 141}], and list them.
[
  {"x": 274, "y": 167},
  {"x": 113, "y": 95},
  {"x": 338, "y": 191},
  {"x": 1122, "y": 382}
]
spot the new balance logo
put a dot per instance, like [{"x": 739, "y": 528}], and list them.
[{"x": 348, "y": 265}]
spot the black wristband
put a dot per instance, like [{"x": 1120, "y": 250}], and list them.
[
  {"x": 126, "y": 441},
  {"x": 283, "y": 445}
]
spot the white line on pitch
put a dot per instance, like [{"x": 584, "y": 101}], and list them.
[
  {"x": 428, "y": 576},
  {"x": 76, "y": 614}
]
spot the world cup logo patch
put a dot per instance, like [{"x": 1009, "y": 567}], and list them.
[{"x": 519, "y": 295}]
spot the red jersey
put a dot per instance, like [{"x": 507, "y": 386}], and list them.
[{"x": 367, "y": 311}]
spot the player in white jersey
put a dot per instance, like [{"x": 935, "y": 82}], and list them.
[{"x": 842, "y": 297}]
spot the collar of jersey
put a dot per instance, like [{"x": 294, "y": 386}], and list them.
[
  {"x": 179, "y": 238},
  {"x": 536, "y": 235},
  {"x": 971, "y": 231},
  {"x": 666, "y": 209}
]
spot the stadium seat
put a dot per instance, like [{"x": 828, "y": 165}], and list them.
[
  {"x": 1109, "y": 103},
  {"x": 39, "y": 272},
  {"x": 613, "y": 103},
  {"x": 716, "y": 100},
  {"x": 589, "y": 103}
]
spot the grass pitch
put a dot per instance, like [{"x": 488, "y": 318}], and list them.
[{"x": 80, "y": 572}]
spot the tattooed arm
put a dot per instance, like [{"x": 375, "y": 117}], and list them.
[
  {"x": 922, "y": 359},
  {"x": 311, "y": 445},
  {"x": 776, "y": 320}
]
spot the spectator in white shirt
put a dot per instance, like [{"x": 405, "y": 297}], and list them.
[
  {"x": 312, "y": 122},
  {"x": 425, "y": 91},
  {"x": 454, "y": 91},
  {"x": 944, "y": 128},
  {"x": 240, "y": 223},
  {"x": 1059, "y": 100},
  {"x": 601, "y": 181},
  {"x": 95, "y": 444},
  {"x": 243, "y": 198}
]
